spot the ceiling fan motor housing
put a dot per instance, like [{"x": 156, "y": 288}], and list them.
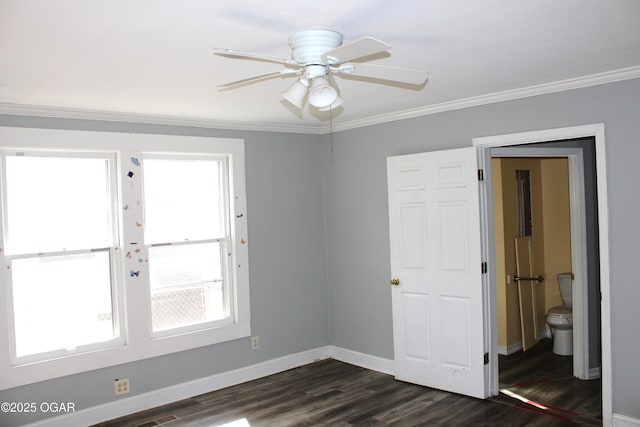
[{"x": 307, "y": 47}]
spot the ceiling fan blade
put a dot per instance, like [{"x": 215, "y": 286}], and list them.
[
  {"x": 356, "y": 49},
  {"x": 251, "y": 55},
  {"x": 381, "y": 72},
  {"x": 286, "y": 72}
]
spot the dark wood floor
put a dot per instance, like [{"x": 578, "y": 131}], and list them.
[
  {"x": 332, "y": 393},
  {"x": 541, "y": 376}
]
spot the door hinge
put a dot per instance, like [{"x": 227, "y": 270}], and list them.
[
  {"x": 484, "y": 268},
  {"x": 480, "y": 174},
  {"x": 486, "y": 358}
]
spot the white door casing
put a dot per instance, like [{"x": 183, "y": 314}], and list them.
[
  {"x": 484, "y": 146},
  {"x": 437, "y": 299}
]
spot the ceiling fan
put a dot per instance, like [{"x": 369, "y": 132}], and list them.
[{"x": 317, "y": 56}]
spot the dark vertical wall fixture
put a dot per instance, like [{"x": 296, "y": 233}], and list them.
[{"x": 523, "y": 178}]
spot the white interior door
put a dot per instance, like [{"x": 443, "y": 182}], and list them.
[{"x": 436, "y": 270}]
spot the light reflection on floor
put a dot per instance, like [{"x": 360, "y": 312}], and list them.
[
  {"x": 522, "y": 398},
  {"x": 242, "y": 422}
]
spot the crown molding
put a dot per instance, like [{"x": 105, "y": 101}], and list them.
[
  {"x": 110, "y": 116},
  {"x": 508, "y": 95},
  {"x": 525, "y": 92}
]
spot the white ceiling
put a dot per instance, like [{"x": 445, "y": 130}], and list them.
[{"x": 152, "y": 59}]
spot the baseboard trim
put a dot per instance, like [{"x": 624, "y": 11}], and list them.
[
  {"x": 363, "y": 360},
  {"x": 185, "y": 390},
  {"x": 624, "y": 421},
  {"x": 510, "y": 349},
  {"x": 130, "y": 405}
]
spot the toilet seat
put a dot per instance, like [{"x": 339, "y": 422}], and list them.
[
  {"x": 561, "y": 310},
  {"x": 560, "y": 317}
]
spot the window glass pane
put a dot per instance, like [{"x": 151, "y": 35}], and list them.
[
  {"x": 56, "y": 204},
  {"x": 62, "y": 302},
  {"x": 187, "y": 285},
  {"x": 183, "y": 200}
]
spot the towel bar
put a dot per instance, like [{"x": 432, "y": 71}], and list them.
[{"x": 538, "y": 279}]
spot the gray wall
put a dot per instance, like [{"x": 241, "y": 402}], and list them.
[
  {"x": 357, "y": 216},
  {"x": 287, "y": 271}
]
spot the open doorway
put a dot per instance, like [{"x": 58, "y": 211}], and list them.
[
  {"x": 595, "y": 330},
  {"x": 565, "y": 236},
  {"x": 534, "y": 205}
]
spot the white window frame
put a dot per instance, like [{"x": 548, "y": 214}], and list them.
[
  {"x": 116, "y": 286},
  {"x": 134, "y": 311},
  {"x": 225, "y": 241}
]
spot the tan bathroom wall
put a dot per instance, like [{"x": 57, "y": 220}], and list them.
[
  {"x": 557, "y": 226},
  {"x": 551, "y": 237},
  {"x": 506, "y": 230}
]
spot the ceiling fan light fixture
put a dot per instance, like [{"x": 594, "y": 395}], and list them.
[
  {"x": 296, "y": 92},
  {"x": 338, "y": 102},
  {"x": 321, "y": 94}
]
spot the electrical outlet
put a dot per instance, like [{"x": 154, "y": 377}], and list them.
[
  {"x": 255, "y": 343},
  {"x": 121, "y": 386}
]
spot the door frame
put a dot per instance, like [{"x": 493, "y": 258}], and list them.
[
  {"x": 579, "y": 260},
  {"x": 484, "y": 146}
]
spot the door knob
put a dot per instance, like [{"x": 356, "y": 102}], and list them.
[{"x": 395, "y": 281}]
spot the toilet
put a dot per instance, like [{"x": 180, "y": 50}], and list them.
[{"x": 560, "y": 318}]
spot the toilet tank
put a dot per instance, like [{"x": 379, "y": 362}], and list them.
[{"x": 564, "y": 283}]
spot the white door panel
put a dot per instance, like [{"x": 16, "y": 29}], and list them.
[
  {"x": 416, "y": 315},
  {"x": 435, "y": 254},
  {"x": 413, "y": 233}
]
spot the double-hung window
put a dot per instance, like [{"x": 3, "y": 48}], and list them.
[
  {"x": 117, "y": 247},
  {"x": 187, "y": 233},
  {"x": 60, "y": 242}
]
